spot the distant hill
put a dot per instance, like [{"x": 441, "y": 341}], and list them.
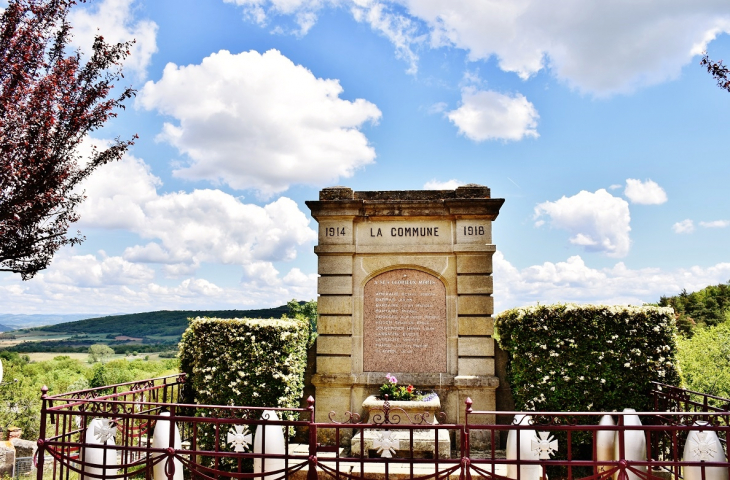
[
  {"x": 13, "y": 321},
  {"x": 137, "y": 332},
  {"x": 4, "y": 328},
  {"x": 163, "y": 323}
]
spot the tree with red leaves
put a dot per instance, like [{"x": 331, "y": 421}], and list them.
[
  {"x": 719, "y": 71},
  {"x": 50, "y": 100}
]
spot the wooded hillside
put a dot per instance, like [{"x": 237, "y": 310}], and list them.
[
  {"x": 138, "y": 332},
  {"x": 707, "y": 307},
  {"x": 160, "y": 323}
]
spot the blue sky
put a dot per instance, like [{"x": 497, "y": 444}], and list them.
[{"x": 593, "y": 120}]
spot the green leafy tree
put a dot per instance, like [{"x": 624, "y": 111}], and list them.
[
  {"x": 99, "y": 376},
  {"x": 19, "y": 406},
  {"x": 704, "y": 360},
  {"x": 100, "y": 353},
  {"x": 707, "y": 307},
  {"x": 307, "y": 312},
  {"x": 20, "y": 400}
]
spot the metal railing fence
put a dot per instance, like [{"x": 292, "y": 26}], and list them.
[{"x": 125, "y": 431}]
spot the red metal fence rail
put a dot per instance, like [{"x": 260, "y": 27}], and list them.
[{"x": 126, "y": 431}]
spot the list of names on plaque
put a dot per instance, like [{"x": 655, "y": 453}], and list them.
[{"x": 404, "y": 323}]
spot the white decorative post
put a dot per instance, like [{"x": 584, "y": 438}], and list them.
[
  {"x": 101, "y": 431},
  {"x": 527, "y": 472},
  {"x": 161, "y": 439},
  {"x": 274, "y": 444},
  {"x": 634, "y": 445},
  {"x": 605, "y": 443},
  {"x": 704, "y": 446}
]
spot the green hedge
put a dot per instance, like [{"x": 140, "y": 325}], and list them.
[
  {"x": 247, "y": 362},
  {"x": 587, "y": 357},
  {"x": 244, "y": 362}
]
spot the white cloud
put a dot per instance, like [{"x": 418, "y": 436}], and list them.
[
  {"x": 385, "y": 17},
  {"x": 187, "y": 229},
  {"x": 597, "y": 47},
  {"x": 116, "y": 194},
  {"x": 438, "y": 185},
  {"x": 574, "y": 281},
  {"x": 685, "y": 226},
  {"x": 103, "y": 285},
  {"x": 439, "y": 107},
  {"x": 487, "y": 115},
  {"x": 114, "y": 20},
  {"x": 262, "y": 280},
  {"x": 644, "y": 193},
  {"x": 260, "y": 121},
  {"x": 598, "y": 221},
  {"x": 182, "y": 232},
  {"x": 716, "y": 224},
  {"x": 88, "y": 271},
  {"x": 213, "y": 226},
  {"x": 190, "y": 288},
  {"x": 304, "y": 11},
  {"x": 399, "y": 29},
  {"x": 79, "y": 285},
  {"x": 151, "y": 253}
]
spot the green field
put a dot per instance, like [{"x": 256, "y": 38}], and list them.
[{"x": 44, "y": 356}]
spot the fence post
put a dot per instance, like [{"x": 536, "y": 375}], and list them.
[
  {"x": 465, "y": 446},
  {"x": 622, "y": 463},
  {"x": 40, "y": 453},
  {"x": 170, "y": 462},
  {"x": 312, "y": 473}
]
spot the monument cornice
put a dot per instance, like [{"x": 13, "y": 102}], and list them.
[
  {"x": 487, "y": 208},
  {"x": 338, "y": 208},
  {"x": 470, "y": 200}
]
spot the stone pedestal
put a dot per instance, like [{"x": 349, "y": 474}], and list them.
[
  {"x": 423, "y": 443},
  {"x": 405, "y": 287},
  {"x": 402, "y": 413}
]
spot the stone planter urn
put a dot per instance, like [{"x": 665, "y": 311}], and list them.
[{"x": 390, "y": 442}]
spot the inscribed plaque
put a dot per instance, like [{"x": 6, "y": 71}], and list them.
[{"x": 404, "y": 323}]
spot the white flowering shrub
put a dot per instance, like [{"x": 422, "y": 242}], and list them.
[
  {"x": 587, "y": 357},
  {"x": 245, "y": 362}
]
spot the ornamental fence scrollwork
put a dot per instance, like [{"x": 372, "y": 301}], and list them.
[{"x": 350, "y": 418}]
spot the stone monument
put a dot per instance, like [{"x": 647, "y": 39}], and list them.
[{"x": 405, "y": 287}]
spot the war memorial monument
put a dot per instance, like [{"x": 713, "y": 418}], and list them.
[{"x": 405, "y": 287}]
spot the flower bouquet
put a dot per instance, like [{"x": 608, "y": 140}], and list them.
[{"x": 397, "y": 392}]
